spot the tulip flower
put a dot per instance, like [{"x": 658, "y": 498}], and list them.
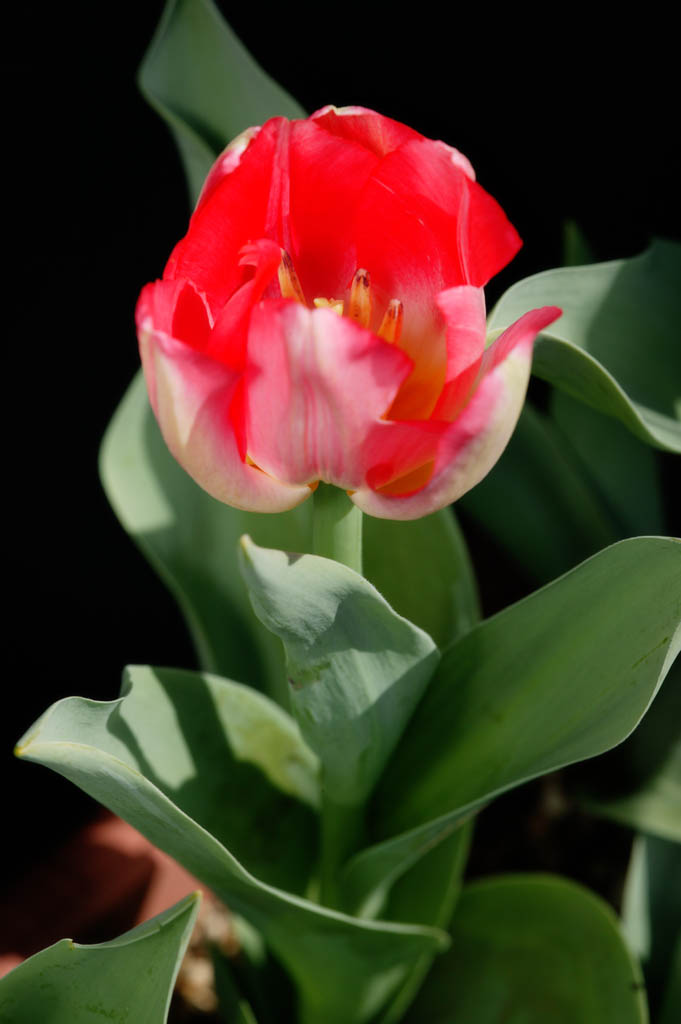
[{"x": 323, "y": 319}]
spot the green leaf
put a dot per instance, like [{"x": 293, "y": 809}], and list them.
[
  {"x": 356, "y": 668},
  {"x": 537, "y": 503},
  {"x": 427, "y": 893},
  {"x": 620, "y": 469},
  {"x": 576, "y": 249},
  {"x": 421, "y": 568},
  {"x": 670, "y": 1011},
  {"x": 206, "y": 86},
  {"x": 559, "y": 677},
  {"x": 651, "y": 910},
  {"x": 344, "y": 968},
  {"x": 616, "y": 345},
  {"x": 68, "y": 983},
  {"x": 528, "y": 950},
  {"x": 655, "y": 808}
]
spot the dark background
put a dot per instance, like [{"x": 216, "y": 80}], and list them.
[{"x": 561, "y": 120}]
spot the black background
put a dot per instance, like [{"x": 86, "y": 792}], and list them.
[{"x": 561, "y": 118}]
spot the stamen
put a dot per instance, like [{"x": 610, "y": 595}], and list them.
[
  {"x": 335, "y": 304},
  {"x": 288, "y": 279},
  {"x": 360, "y": 299},
  {"x": 391, "y": 324}
]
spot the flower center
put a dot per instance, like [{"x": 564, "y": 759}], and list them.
[{"x": 358, "y": 306}]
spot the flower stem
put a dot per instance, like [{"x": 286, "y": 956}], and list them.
[
  {"x": 336, "y": 527},
  {"x": 337, "y": 534}
]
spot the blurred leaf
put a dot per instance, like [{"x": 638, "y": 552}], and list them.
[
  {"x": 532, "y": 949},
  {"x": 670, "y": 1011},
  {"x": 421, "y": 568},
  {"x": 622, "y": 470},
  {"x": 576, "y": 250},
  {"x": 616, "y": 345},
  {"x": 537, "y": 504},
  {"x": 655, "y": 808},
  {"x": 651, "y": 911},
  {"x": 72, "y": 984},
  {"x": 356, "y": 668},
  {"x": 345, "y": 969},
  {"x": 559, "y": 677},
  {"x": 204, "y": 83},
  {"x": 427, "y": 893}
]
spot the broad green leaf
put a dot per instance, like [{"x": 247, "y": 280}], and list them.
[
  {"x": 622, "y": 470},
  {"x": 616, "y": 345},
  {"x": 204, "y": 83},
  {"x": 538, "y": 504},
  {"x": 532, "y": 949},
  {"x": 129, "y": 978},
  {"x": 356, "y": 668},
  {"x": 559, "y": 677},
  {"x": 345, "y": 969},
  {"x": 421, "y": 568}
]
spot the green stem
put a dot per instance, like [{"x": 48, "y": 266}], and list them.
[
  {"x": 336, "y": 527},
  {"x": 341, "y": 834},
  {"x": 337, "y": 534}
]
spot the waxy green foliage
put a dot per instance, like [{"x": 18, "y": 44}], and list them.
[
  {"x": 356, "y": 669},
  {"x": 532, "y": 949},
  {"x": 616, "y": 345},
  {"x": 128, "y": 979},
  {"x": 205, "y": 85},
  {"x": 149, "y": 764}
]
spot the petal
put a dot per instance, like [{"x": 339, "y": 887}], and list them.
[
  {"x": 327, "y": 175},
  {"x": 429, "y": 186},
  {"x": 463, "y": 309},
  {"x": 379, "y": 134},
  {"x": 192, "y": 397},
  {"x": 232, "y": 213},
  {"x": 470, "y": 446},
  {"x": 228, "y": 161},
  {"x": 317, "y": 384}
]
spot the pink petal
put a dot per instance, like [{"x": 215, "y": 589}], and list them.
[
  {"x": 525, "y": 329},
  {"x": 469, "y": 446},
  {"x": 317, "y": 384},
  {"x": 192, "y": 397},
  {"x": 463, "y": 309}
]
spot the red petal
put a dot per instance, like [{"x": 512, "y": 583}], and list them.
[
  {"x": 233, "y": 213},
  {"x": 358, "y": 124},
  {"x": 463, "y": 309}
]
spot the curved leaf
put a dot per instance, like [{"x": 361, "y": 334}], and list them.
[
  {"x": 344, "y": 968},
  {"x": 356, "y": 668},
  {"x": 559, "y": 677},
  {"x": 205, "y": 84},
  {"x": 68, "y": 983},
  {"x": 532, "y": 949},
  {"x": 616, "y": 345}
]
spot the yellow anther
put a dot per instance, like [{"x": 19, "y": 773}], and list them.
[
  {"x": 360, "y": 299},
  {"x": 391, "y": 324},
  {"x": 335, "y": 304},
  {"x": 288, "y": 279}
]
